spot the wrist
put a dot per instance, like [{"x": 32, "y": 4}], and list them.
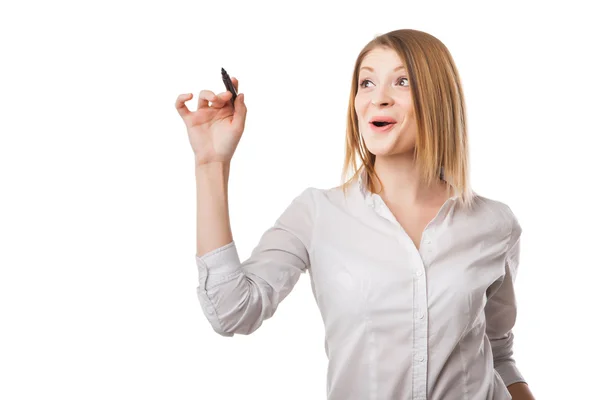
[{"x": 213, "y": 170}]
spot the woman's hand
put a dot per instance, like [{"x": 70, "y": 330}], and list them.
[{"x": 214, "y": 130}]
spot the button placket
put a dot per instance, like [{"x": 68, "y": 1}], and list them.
[{"x": 420, "y": 347}]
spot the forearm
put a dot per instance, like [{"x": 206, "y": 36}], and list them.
[
  {"x": 213, "y": 228},
  {"x": 520, "y": 391}
]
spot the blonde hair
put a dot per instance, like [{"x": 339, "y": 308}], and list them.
[{"x": 439, "y": 108}]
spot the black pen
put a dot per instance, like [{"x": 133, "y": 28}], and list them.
[{"x": 228, "y": 84}]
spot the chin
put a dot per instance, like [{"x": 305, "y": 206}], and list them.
[
  {"x": 382, "y": 150},
  {"x": 389, "y": 148},
  {"x": 381, "y": 146}
]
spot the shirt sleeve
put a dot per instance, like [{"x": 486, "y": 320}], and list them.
[
  {"x": 236, "y": 297},
  {"x": 501, "y": 314}
]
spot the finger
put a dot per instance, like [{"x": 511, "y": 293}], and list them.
[
  {"x": 221, "y": 100},
  {"x": 204, "y": 97},
  {"x": 239, "y": 113},
  {"x": 180, "y": 104}
]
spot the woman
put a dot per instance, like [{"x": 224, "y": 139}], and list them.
[{"x": 412, "y": 271}]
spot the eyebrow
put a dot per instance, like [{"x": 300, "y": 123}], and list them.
[{"x": 396, "y": 69}]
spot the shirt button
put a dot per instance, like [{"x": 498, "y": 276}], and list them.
[
  {"x": 210, "y": 311},
  {"x": 421, "y": 315},
  {"x": 419, "y": 273},
  {"x": 420, "y": 357}
]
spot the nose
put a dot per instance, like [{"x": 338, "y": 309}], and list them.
[
  {"x": 380, "y": 103},
  {"x": 382, "y": 99}
]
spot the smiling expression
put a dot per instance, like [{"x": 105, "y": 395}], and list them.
[{"x": 384, "y": 95}]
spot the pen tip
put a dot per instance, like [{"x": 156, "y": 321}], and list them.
[{"x": 223, "y": 70}]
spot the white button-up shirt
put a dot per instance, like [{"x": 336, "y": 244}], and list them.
[{"x": 400, "y": 322}]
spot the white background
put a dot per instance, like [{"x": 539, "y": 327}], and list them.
[{"x": 97, "y": 206}]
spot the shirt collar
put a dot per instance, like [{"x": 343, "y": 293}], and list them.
[
  {"x": 364, "y": 190},
  {"x": 372, "y": 199}
]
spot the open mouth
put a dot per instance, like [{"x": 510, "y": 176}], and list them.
[{"x": 380, "y": 123}]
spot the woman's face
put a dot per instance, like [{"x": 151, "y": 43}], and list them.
[{"x": 384, "y": 93}]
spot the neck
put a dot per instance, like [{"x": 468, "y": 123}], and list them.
[{"x": 401, "y": 185}]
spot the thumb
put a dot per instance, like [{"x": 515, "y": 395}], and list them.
[{"x": 239, "y": 113}]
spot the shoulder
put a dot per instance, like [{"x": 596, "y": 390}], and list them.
[
  {"x": 496, "y": 206},
  {"x": 305, "y": 201},
  {"x": 501, "y": 213},
  {"x": 332, "y": 195},
  {"x": 331, "y": 202}
]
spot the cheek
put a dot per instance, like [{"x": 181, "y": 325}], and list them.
[
  {"x": 357, "y": 102},
  {"x": 360, "y": 106}
]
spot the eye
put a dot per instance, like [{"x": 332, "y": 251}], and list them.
[{"x": 364, "y": 81}]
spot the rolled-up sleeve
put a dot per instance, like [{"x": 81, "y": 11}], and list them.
[
  {"x": 501, "y": 314},
  {"x": 236, "y": 296}
]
